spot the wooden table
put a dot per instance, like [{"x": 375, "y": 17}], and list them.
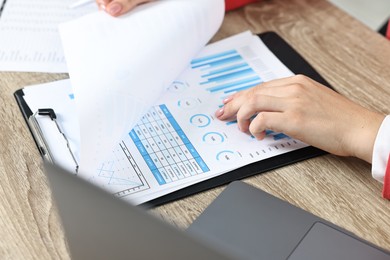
[{"x": 353, "y": 58}]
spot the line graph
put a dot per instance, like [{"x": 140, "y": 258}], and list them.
[{"x": 121, "y": 175}]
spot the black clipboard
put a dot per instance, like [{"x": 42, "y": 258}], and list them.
[
  {"x": 34, "y": 126},
  {"x": 288, "y": 56}
]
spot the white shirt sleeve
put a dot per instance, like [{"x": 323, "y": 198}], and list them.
[{"x": 381, "y": 151}]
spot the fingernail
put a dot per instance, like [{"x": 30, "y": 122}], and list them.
[
  {"x": 219, "y": 112},
  {"x": 102, "y": 7},
  {"x": 114, "y": 8},
  {"x": 227, "y": 100},
  {"x": 260, "y": 136}
]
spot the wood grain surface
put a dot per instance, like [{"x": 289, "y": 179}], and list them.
[{"x": 349, "y": 55}]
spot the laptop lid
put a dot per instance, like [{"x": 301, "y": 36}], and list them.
[
  {"x": 258, "y": 225},
  {"x": 99, "y": 226}
]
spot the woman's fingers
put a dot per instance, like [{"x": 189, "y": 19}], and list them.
[
  {"x": 252, "y": 97},
  {"x": 257, "y": 104},
  {"x": 119, "y": 7},
  {"x": 264, "y": 121},
  {"x": 306, "y": 110}
]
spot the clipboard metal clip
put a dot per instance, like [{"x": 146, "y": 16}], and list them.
[{"x": 43, "y": 146}]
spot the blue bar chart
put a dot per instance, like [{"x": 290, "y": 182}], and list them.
[{"x": 226, "y": 73}]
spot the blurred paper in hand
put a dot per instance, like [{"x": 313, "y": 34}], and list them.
[{"x": 29, "y": 37}]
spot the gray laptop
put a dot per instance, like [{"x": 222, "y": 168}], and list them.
[{"x": 242, "y": 223}]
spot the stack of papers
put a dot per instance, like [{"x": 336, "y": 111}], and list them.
[
  {"x": 179, "y": 142},
  {"x": 138, "y": 110},
  {"x": 29, "y": 36}
]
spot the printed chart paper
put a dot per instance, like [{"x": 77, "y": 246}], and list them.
[
  {"x": 120, "y": 66},
  {"x": 179, "y": 142}
]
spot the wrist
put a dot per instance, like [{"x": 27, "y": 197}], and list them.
[{"x": 364, "y": 135}]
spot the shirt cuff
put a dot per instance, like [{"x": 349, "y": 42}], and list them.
[{"x": 381, "y": 151}]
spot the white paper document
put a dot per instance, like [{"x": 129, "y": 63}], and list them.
[
  {"x": 29, "y": 37},
  {"x": 179, "y": 142},
  {"x": 120, "y": 66}
]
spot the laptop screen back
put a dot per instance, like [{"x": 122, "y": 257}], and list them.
[{"x": 99, "y": 226}]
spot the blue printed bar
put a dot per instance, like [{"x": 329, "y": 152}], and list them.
[
  {"x": 150, "y": 162},
  {"x": 141, "y": 148},
  {"x": 192, "y": 150},
  {"x": 235, "y": 121},
  {"x": 183, "y": 137},
  {"x": 214, "y": 56},
  {"x": 233, "y": 75},
  {"x": 147, "y": 158},
  {"x": 280, "y": 136},
  {"x": 243, "y": 87},
  {"x": 174, "y": 124},
  {"x": 154, "y": 169},
  {"x": 231, "y": 122},
  {"x": 158, "y": 177},
  {"x": 134, "y": 136},
  {"x": 165, "y": 110},
  {"x": 276, "y": 136},
  {"x": 220, "y": 62},
  {"x": 202, "y": 164},
  {"x": 235, "y": 83},
  {"x": 226, "y": 69}
]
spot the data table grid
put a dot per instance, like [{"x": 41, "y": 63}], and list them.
[{"x": 165, "y": 147}]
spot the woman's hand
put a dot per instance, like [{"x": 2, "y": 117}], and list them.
[
  {"x": 306, "y": 110},
  {"x": 119, "y": 7}
]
